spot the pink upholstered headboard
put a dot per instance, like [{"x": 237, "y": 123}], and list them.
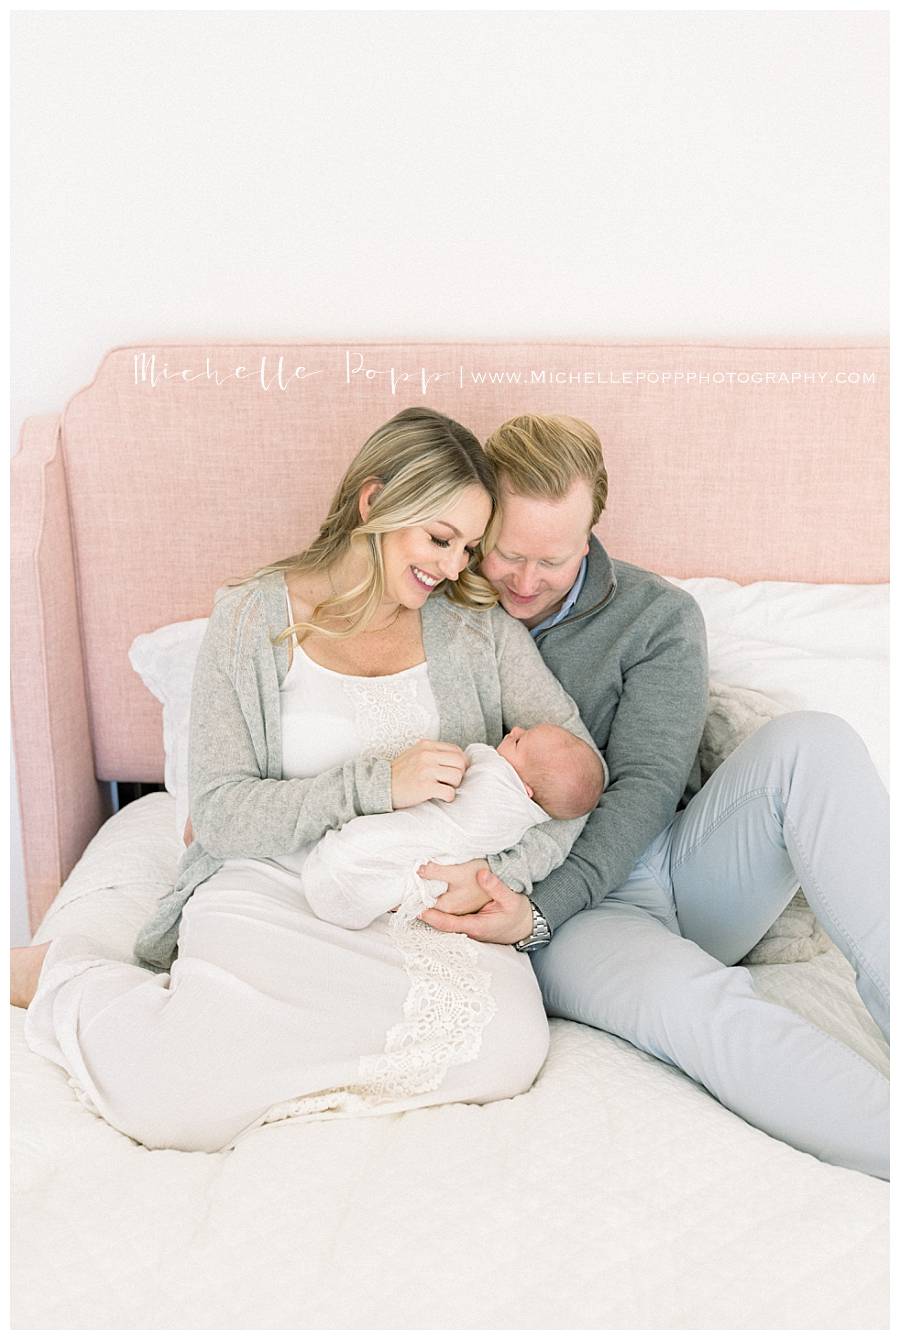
[{"x": 180, "y": 466}]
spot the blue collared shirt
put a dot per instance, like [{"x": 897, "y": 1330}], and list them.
[{"x": 567, "y": 604}]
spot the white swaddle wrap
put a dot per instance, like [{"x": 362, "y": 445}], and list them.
[{"x": 368, "y": 867}]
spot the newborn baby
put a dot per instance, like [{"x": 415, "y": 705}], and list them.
[
  {"x": 368, "y": 867},
  {"x": 563, "y": 774}
]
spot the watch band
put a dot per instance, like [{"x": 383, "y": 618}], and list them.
[{"x": 540, "y": 932}]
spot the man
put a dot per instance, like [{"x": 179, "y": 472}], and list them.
[{"x": 667, "y": 884}]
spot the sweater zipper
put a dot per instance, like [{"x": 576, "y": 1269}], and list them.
[{"x": 583, "y": 615}]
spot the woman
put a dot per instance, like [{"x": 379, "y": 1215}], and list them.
[{"x": 402, "y": 658}]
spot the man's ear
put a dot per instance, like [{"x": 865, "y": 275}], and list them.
[{"x": 367, "y": 495}]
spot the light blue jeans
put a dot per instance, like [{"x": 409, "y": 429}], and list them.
[{"x": 799, "y": 802}]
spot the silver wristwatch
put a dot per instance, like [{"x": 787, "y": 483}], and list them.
[{"x": 540, "y": 932}]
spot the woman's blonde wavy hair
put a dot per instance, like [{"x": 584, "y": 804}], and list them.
[{"x": 424, "y": 461}]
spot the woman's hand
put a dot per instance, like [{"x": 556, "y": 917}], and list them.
[
  {"x": 430, "y": 770},
  {"x": 464, "y": 893}
]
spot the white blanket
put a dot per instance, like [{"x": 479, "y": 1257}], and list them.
[
  {"x": 615, "y": 1194},
  {"x": 368, "y": 867}
]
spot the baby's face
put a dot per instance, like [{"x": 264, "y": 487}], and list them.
[{"x": 524, "y": 748}]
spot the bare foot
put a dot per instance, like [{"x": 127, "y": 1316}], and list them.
[{"x": 25, "y": 968}]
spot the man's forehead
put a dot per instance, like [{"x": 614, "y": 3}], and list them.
[{"x": 531, "y": 524}]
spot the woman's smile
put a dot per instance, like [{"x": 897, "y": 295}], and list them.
[{"x": 424, "y": 579}]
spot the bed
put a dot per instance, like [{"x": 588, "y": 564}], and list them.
[{"x": 615, "y": 1193}]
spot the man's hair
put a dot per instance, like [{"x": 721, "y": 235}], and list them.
[{"x": 542, "y": 455}]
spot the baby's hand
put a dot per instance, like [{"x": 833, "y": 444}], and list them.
[{"x": 464, "y": 893}]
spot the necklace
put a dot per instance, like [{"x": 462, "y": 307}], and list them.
[{"x": 390, "y": 623}]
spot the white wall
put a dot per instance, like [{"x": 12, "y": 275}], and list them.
[{"x": 371, "y": 175}]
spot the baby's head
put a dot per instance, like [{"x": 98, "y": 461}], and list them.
[{"x": 561, "y": 772}]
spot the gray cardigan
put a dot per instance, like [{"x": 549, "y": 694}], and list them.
[{"x": 486, "y": 675}]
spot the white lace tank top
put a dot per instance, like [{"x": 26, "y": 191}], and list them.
[{"x": 328, "y": 717}]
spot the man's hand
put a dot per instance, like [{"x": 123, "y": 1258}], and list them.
[
  {"x": 188, "y": 833},
  {"x": 464, "y": 893},
  {"x": 502, "y": 921}
]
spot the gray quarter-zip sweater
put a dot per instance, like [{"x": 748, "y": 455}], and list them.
[
  {"x": 632, "y": 653},
  {"x": 486, "y": 675}
]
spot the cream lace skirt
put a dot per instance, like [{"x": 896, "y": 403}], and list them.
[{"x": 271, "y": 1014}]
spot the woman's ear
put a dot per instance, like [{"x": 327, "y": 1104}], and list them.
[{"x": 367, "y": 495}]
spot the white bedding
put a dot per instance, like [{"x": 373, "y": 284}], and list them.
[
  {"x": 810, "y": 646},
  {"x": 616, "y": 1193}
]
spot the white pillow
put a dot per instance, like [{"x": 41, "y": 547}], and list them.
[
  {"x": 165, "y": 661},
  {"x": 810, "y": 647}
]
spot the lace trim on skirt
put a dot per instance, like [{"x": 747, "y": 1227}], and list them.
[{"x": 447, "y": 1008}]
